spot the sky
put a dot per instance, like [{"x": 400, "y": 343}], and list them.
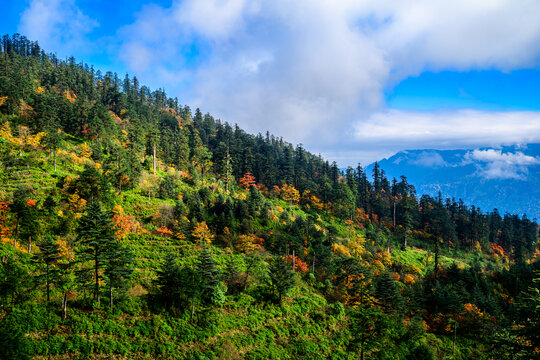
[{"x": 353, "y": 80}]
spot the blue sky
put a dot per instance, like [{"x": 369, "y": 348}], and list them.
[
  {"x": 355, "y": 81},
  {"x": 483, "y": 90}
]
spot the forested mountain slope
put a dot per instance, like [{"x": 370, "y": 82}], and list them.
[{"x": 134, "y": 228}]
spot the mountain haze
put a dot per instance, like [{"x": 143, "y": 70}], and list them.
[{"x": 507, "y": 178}]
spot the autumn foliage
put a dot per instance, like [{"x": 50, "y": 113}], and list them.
[
  {"x": 5, "y": 231},
  {"x": 289, "y": 193},
  {"x": 247, "y": 181},
  {"x": 202, "y": 233},
  {"x": 247, "y": 243},
  {"x": 299, "y": 265}
]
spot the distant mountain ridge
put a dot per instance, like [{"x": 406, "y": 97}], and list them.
[{"x": 506, "y": 178}]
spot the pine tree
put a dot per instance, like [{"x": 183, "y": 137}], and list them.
[
  {"x": 49, "y": 255},
  {"x": 95, "y": 236},
  {"x": 180, "y": 286},
  {"x": 66, "y": 282},
  {"x": 167, "y": 280},
  {"x": 281, "y": 277},
  {"x": 14, "y": 280},
  {"x": 235, "y": 280},
  {"x": 118, "y": 268},
  {"x": 209, "y": 273},
  {"x": 387, "y": 293}
]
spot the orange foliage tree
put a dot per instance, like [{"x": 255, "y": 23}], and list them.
[
  {"x": 164, "y": 231},
  {"x": 5, "y": 231},
  {"x": 299, "y": 265},
  {"x": 247, "y": 181},
  {"x": 124, "y": 224}
]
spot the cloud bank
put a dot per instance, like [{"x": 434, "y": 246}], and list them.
[
  {"x": 494, "y": 164},
  {"x": 450, "y": 129},
  {"x": 314, "y": 72}
]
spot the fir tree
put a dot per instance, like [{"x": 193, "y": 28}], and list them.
[
  {"x": 281, "y": 277},
  {"x": 387, "y": 292},
  {"x": 95, "y": 236},
  {"x": 49, "y": 255},
  {"x": 209, "y": 273},
  {"x": 118, "y": 268}
]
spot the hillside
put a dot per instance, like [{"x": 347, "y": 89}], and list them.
[
  {"x": 507, "y": 179},
  {"x": 134, "y": 228}
]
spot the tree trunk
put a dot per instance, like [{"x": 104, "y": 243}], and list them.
[
  {"x": 192, "y": 308},
  {"x": 293, "y": 258},
  {"x": 64, "y": 306},
  {"x": 96, "y": 274},
  {"x": 54, "y": 159},
  {"x": 405, "y": 240},
  {"x": 227, "y": 169},
  {"x": 29, "y": 244},
  {"x": 394, "y": 222},
  {"x": 111, "y": 298},
  {"x": 454, "y": 344},
  {"x": 436, "y": 256},
  {"x": 48, "y": 284},
  {"x": 154, "y": 158}
]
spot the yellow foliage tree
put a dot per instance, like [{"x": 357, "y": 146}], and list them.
[
  {"x": 247, "y": 243},
  {"x": 356, "y": 245},
  {"x": 290, "y": 194},
  {"x": 25, "y": 139},
  {"x": 202, "y": 233},
  {"x": 341, "y": 250},
  {"x": 85, "y": 151}
]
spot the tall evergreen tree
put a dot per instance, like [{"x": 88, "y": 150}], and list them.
[
  {"x": 118, "y": 268},
  {"x": 281, "y": 277},
  {"x": 95, "y": 237},
  {"x": 209, "y": 274},
  {"x": 49, "y": 255}
]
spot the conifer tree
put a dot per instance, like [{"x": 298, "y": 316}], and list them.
[
  {"x": 95, "y": 236},
  {"x": 281, "y": 277},
  {"x": 209, "y": 273},
  {"x": 167, "y": 279},
  {"x": 66, "y": 282},
  {"x": 14, "y": 280},
  {"x": 118, "y": 268},
  {"x": 49, "y": 255},
  {"x": 180, "y": 286},
  {"x": 387, "y": 293}
]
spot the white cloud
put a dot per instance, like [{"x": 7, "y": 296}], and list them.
[
  {"x": 429, "y": 159},
  {"x": 492, "y": 155},
  {"x": 494, "y": 164},
  {"x": 58, "y": 25},
  {"x": 449, "y": 130},
  {"x": 314, "y": 71},
  {"x": 212, "y": 18}
]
